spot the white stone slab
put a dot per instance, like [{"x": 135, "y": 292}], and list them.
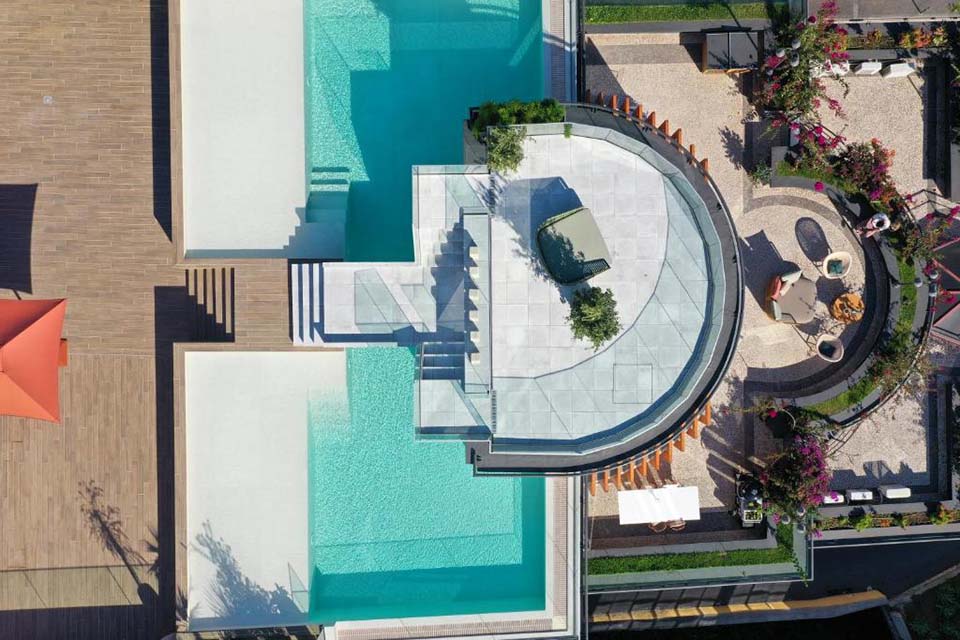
[
  {"x": 898, "y": 70},
  {"x": 244, "y": 157},
  {"x": 871, "y": 68},
  {"x": 246, "y": 449}
]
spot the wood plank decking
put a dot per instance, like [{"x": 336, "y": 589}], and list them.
[{"x": 85, "y": 215}]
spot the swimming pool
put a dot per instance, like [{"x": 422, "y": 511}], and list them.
[
  {"x": 399, "y": 527},
  {"x": 388, "y": 85}
]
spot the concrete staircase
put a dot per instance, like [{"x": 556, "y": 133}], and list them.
[
  {"x": 447, "y": 273},
  {"x": 212, "y": 291},
  {"x": 306, "y": 302}
]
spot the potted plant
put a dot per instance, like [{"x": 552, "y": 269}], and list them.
[
  {"x": 780, "y": 421},
  {"x": 593, "y": 315}
]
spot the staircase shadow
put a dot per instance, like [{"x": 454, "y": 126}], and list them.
[{"x": 212, "y": 291}]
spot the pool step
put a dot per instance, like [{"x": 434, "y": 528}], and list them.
[
  {"x": 323, "y": 231},
  {"x": 306, "y": 302},
  {"x": 328, "y": 206},
  {"x": 318, "y": 240},
  {"x": 442, "y": 360}
]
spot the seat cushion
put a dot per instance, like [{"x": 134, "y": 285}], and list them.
[{"x": 798, "y": 304}]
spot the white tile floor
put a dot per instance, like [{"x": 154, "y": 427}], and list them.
[
  {"x": 550, "y": 385},
  {"x": 627, "y": 199}
]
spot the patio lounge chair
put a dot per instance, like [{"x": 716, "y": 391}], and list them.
[
  {"x": 791, "y": 298},
  {"x": 572, "y": 248}
]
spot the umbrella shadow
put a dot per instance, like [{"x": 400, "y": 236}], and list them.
[{"x": 812, "y": 240}]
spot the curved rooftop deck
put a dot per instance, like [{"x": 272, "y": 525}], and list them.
[
  {"x": 554, "y": 390},
  {"x": 560, "y": 406}
]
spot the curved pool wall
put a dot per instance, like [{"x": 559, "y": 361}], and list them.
[
  {"x": 399, "y": 526},
  {"x": 388, "y": 84},
  {"x": 698, "y": 202}
]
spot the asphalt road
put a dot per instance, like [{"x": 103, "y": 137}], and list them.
[{"x": 891, "y": 567}]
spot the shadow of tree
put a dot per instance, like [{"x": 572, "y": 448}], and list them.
[
  {"x": 733, "y": 146},
  {"x": 238, "y": 600},
  {"x": 106, "y": 526}
]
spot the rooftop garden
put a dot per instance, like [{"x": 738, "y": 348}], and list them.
[{"x": 793, "y": 94}]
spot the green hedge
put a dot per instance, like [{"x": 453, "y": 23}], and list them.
[
  {"x": 492, "y": 114},
  {"x": 612, "y": 13},
  {"x": 783, "y": 552}
]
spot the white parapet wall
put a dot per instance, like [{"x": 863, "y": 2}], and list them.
[{"x": 243, "y": 130}]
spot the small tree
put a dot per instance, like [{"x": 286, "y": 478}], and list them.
[
  {"x": 505, "y": 148},
  {"x": 593, "y": 315}
]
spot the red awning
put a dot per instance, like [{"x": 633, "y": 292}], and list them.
[{"x": 29, "y": 356}]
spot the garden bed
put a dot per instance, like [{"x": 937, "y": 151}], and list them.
[
  {"x": 783, "y": 552},
  {"x": 692, "y": 12},
  {"x": 869, "y": 520}
]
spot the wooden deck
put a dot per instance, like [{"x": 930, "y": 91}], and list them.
[{"x": 85, "y": 215}]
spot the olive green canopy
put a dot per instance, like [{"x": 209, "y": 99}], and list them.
[{"x": 571, "y": 246}]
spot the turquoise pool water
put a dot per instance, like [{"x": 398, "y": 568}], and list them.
[
  {"x": 389, "y": 83},
  {"x": 399, "y": 527}
]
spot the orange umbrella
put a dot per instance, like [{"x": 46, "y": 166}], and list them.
[{"x": 30, "y": 353}]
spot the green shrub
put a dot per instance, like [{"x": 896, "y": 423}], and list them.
[
  {"x": 495, "y": 114},
  {"x": 593, "y": 315},
  {"x": 761, "y": 174},
  {"x": 505, "y": 148},
  {"x": 941, "y": 516},
  {"x": 863, "y": 521}
]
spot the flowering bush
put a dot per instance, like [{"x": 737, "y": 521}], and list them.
[
  {"x": 805, "y": 47},
  {"x": 798, "y": 478},
  {"x": 920, "y": 241},
  {"x": 867, "y": 167}
]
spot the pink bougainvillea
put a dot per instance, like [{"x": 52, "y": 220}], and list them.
[
  {"x": 798, "y": 478},
  {"x": 794, "y": 88}
]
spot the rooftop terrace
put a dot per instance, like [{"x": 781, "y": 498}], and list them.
[{"x": 499, "y": 360}]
